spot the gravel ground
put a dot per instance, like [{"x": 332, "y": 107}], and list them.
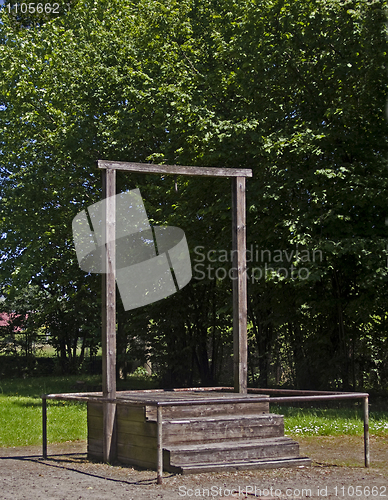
[{"x": 337, "y": 472}]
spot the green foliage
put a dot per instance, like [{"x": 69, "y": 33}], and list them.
[
  {"x": 294, "y": 90},
  {"x": 34, "y": 15}
]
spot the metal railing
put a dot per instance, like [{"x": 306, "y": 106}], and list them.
[{"x": 297, "y": 396}]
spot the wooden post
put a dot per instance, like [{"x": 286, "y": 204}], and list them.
[
  {"x": 240, "y": 345},
  {"x": 44, "y": 427},
  {"x": 109, "y": 316},
  {"x": 159, "y": 409},
  {"x": 366, "y": 431},
  {"x": 238, "y": 176}
]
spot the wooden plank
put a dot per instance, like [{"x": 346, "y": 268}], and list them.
[
  {"x": 96, "y": 421},
  {"x": 191, "y": 430},
  {"x": 233, "y": 445},
  {"x": 273, "y": 463},
  {"x": 98, "y": 457},
  {"x": 130, "y": 413},
  {"x": 109, "y": 315},
  {"x": 133, "y": 452},
  {"x": 194, "y": 396},
  {"x": 95, "y": 427},
  {"x": 139, "y": 428},
  {"x": 124, "y": 438},
  {"x": 229, "y": 452},
  {"x": 149, "y": 168},
  {"x": 95, "y": 445},
  {"x": 211, "y": 410},
  {"x": 95, "y": 410},
  {"x": 218, "y": 430},
  {"x": 95, "y": 424},
  {"x": 95, "y": 448},
  {"x": 135, "y": 461},
  {"x": 95, "y": 432},
  {"x": 240, "y": 339}
]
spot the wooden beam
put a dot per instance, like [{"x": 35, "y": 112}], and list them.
[
  {"x": 149, "y": 168},
  {"x": 109, "y": 316},
  {"x": 240, "y": 345},
  {"x": 239, "y": 257}
]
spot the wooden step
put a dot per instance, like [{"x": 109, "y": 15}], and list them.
[
  {"x": 172, "y": 412},
  {"x": 245, "y": 465},
  {"x": 231, "y": 451},
  {"x": 221, "y": 428},
  {"x": 198, "y": 437},
  {"x": 200, "y": 429}
]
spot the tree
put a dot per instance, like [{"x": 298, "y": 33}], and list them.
[{"x": 295, "y": 91}]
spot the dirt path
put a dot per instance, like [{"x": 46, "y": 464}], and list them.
[{"x": 337, "y": 472}]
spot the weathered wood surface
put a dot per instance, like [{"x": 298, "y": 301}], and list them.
[
  {"x": 209, "y": 403},
  {"x": 95, "y": 424},
  {"x": 149, "y": 168},
  {"x": 281, "y": 447},
  {"x": 95, "y": 410},
  {"x": 203, "y": 410},
  {"x": 242, "y": 465},
  {"x": 137, "y": 462},
  {"x": 142, "y": 440},
  {"x": 193, "y": 430},
  {"x": 211, "y": 441},
  {"x": 109, "y": 315},
  {"x": 222, "y": 429},
  {"x": 95, "y": 428},
  {"x": 137, "y": 453},
  {"x": 239, "y": 290},
  {"x": 176, "y": 395},
  {"x": 137, "y": 428},
  {"x": 240, "y": 339},
  {"x": 95, "y": 421},
  {"x": 144, "y": 460},
  {"x": 200, "y": 430},
  {"x": 198, "y": 458},
  {"x": 95, "y": 446},
  {"x": 131, "y": 413}
]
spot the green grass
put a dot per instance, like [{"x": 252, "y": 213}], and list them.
[
  {"x": 21, "y": 408},
  {"x": 21, "y": 412},
  {"x": 331, "y": 422},
  {"x": 21, "y": 421}
]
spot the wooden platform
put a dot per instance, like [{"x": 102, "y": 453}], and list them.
[{"x": 213, "y": 435}]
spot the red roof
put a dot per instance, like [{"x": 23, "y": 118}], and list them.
[{"x": 7, "y": 319}]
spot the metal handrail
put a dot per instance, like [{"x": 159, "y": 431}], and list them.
[{"x": 298, "y": 396}]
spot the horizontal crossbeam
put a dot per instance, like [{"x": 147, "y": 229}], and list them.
[{"x": 149, "y": 168}]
